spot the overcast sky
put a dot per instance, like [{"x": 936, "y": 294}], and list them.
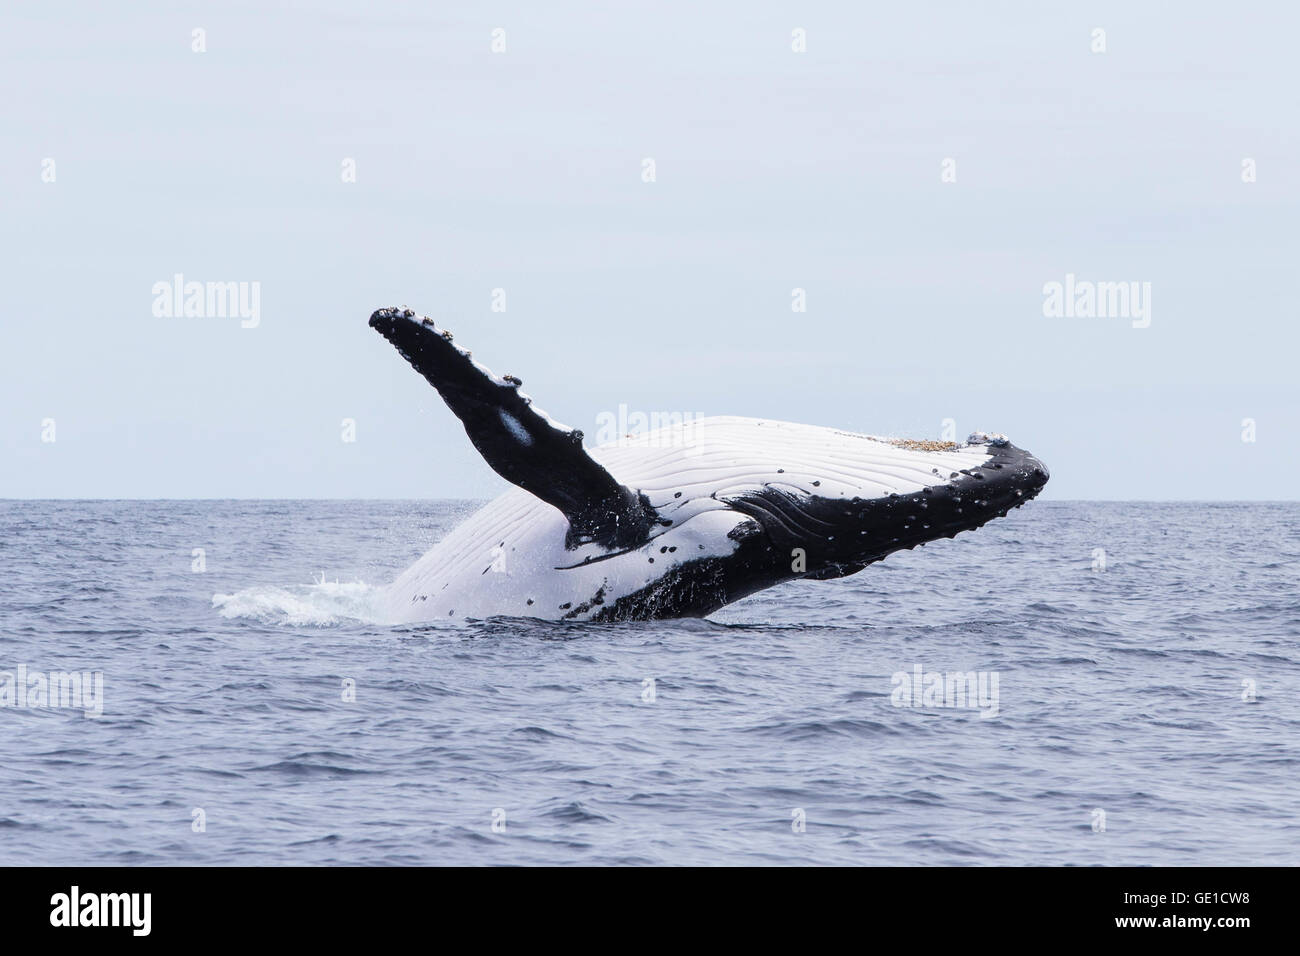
[{"x": 127, "y": 158}]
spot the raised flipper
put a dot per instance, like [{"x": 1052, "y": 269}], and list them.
[{"x": 519, "y": 442}]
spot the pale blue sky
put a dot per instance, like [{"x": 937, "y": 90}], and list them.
[{"x": 522, "y": 170}]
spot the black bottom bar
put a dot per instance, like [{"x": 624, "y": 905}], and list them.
[{"x": 946, "y": 906}]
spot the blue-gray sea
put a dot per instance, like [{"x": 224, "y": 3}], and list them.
[{"x": 1147, "y": 712}]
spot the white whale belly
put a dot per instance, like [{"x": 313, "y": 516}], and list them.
[{"x": 509, "y": 559}]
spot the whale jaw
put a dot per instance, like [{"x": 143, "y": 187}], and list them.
[{"x": 839, "y": 536}]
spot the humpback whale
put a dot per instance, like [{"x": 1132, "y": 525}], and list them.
[{"x": 682, "y": 520}]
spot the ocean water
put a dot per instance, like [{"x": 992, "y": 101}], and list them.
[{"x": 1147, "y": 704}]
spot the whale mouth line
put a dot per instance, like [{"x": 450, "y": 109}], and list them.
[{"x": 590, "y": 560}]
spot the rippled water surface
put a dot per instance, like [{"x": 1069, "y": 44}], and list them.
[{"x": 1123, "y": 699}]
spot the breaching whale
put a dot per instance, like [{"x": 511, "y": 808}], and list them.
[{"x": 679, "y": 521}]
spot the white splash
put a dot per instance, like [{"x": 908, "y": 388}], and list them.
[{"x": 320, "y": 604}]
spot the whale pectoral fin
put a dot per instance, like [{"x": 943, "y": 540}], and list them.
[{"x": 521, "y": 443}]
